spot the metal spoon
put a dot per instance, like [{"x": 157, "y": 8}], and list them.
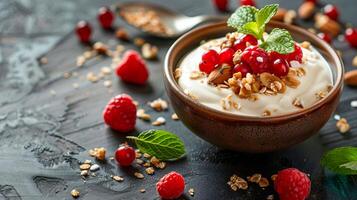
[{"x": 178, "y": 24}]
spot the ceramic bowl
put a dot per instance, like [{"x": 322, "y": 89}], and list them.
[{"x": 249, "y": 133}]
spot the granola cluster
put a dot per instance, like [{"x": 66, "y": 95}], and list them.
[{"x": 147, "y": 20}]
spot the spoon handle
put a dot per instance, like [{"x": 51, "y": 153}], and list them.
[{"x": 210, "y": 18}]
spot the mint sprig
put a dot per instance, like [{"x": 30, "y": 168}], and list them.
[
  {"x": 279, "y": 40},
  {"x": 249, "y": 20},
  {"x": 160, "y": 143},
  {"x": 341, "y": 160}
]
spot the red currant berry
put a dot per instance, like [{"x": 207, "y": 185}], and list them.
[
  {"x": 351, "y": 36},
  {"x": 83, "y": 31},
  {"x": 226, "y": 56},
  {"x": 326, "y": 37},
  {"x": 242, "y": 68},
  {"x": 280, "y": 67},
  {"x": 295, "y": 55},
  {"x": 125, "y": 155},
  {"x": 331, "y": 11},
  {"x": 256, "y": 58},
  {"x": 241, "y": 43},
  {"x": 211, "y": 56},
  {"x": 206, "y": 67},
  {"x": 247, "y": 3},
  {"x": 313, "y": 1},
  {"x": 221, "y": 5},
  {"x": 105, "y": 17}
]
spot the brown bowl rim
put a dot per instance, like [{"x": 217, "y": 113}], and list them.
[{"x": 168, "y": 74}]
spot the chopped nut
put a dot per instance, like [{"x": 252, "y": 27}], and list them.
[
  {"x": 150, "y": 170},
  {"x": 305, "y": 44},
  {"x": 100, "y": 48},
  {"x": 174, "y": 116},
  {"x": 142, "y": 115},
  {"x": 94, "y": 167},
  {"x": 92, "y": 77},
  {"x": 75, "y": 193},
  {"x": 98, "y": 153},
  {"x": 43, "y": 60},
  {"x": 142, "y": 190},
  {"x": 80, "y": 61},
  {"x": 297, "y": 103},
  {"x": 196, "y": 75},
  {"x": 107, "y": 83},
  {"x": 139, "y": 42},
  {"x": 118, "y": 178},
  {"x": 266, "y": 113},
  {"x": 255, "y": 178},
  {"x": 122, "y": 34},
  {"x": 84, "y": 173},
  {"x": 84, "y": 166},
  {"x": 220, "y": 74},
  {"x": 137, "y": 154},
  {"x": 146, "y": 155},
  {"x": 273, "y": 177},
  {"x": 263, "y": 182},
  {"x": 149, "y": 51},
  {"x": 105, "y": 70},
  {"x": 342, "y": 125},
  {"x": 159, "y": 121},
  {"x": 327, "y": 25},
  {"x": 350, "y": 78},
  {"x": 290, "y": 16},
  {"x": 191, "y": 192},
  {"x": 67, "y": 75},
  {"x": 306, "y": 10},
  {"x": 138, "y": 175},
  {"x": 280, "y": 14},
  {"x": 236, "y": 182},
  {"x": 139, "y": 161},
  {"x": 177, "y": 73},
  {"x": 192, "y": 96},
  {"x": 159, "y": 104}
]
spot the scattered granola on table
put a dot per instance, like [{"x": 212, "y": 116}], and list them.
[{"x": 342, "y": 125}]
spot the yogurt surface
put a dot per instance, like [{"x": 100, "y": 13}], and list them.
[{"x": 317, "y": 79}]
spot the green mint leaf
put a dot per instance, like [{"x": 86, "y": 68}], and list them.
[
  {"x": 279, "y": 40},
  {"x": 241, "y": 16},
  {"x": 161, "y": 144},
  {"x": 252, "y": 29},
  {"x": 341, "y": 160},
  {"x": 264, "y": 15}
]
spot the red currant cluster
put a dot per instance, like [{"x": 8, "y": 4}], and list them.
[
  {"x": 84, "y": 29},
  {"x": 253, "y": 59},
  {"x": 222, "y": 5}
]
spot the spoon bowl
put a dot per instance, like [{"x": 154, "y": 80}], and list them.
[{"x": 177, "y": 23}]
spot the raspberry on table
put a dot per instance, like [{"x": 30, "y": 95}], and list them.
[
  {"x": 171, "y": 186},
  {"x": 125, "y": 155},
  {"x": 221, "y": 5},
  {"x": 292, "y": 184},
  {"x": 83, "y": 31},
  {"x": 132, "y": 68},
  {"x": 105, "y": 17},
  {"x": 120, "y": 113}
]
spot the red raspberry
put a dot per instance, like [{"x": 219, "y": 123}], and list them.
[
  {"x": 326, "y": 37},
  {"x": 171, "y": 186},
  {"x": 292, "y": 184},
  {"x": 132, "y": 68},
  {"x": 241, "y": 43},
  {"x": 120, "y": 113},
  {"x": 211, "y": 56},
  {"x": 105, "y": 17},
  {"x": 226, "y": 56},
  {"x": 242, "y": 68},
  {"x": 351, "y": 36},
  {"x": 256, "y": 58},
  {"x": 83, "y": 31},
  {"x": 247, "y": 3},
  {"x": 331, "y": 11},
  {"x": 296, "y": 55},
  {"x": 280, "y": 67},
  {"x": 206, "y": 67},
  {"x": 125, "y": 155},
  {"x": 313, "y": 1},
  {"x": 221, "y": 5}
]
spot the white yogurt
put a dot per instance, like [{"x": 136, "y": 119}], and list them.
[{"x": 318, "y": 77}]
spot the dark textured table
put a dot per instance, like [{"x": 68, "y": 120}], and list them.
[{"x": 43, "y": 136}]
